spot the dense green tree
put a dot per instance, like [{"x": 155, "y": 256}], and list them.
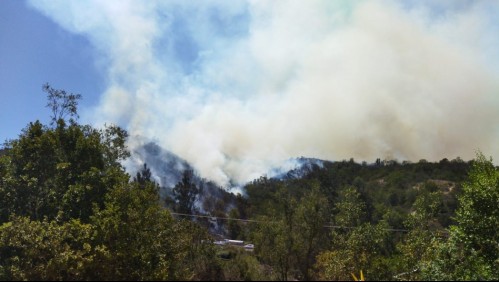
[
  {"x": 447, "y": 259},
  {"x": 351, "y": 209},
  {"x": 311, "y": 217},
  {"x": 472, "y": 251},
  {"x": 73, "y": 213},
  {"x": 356, "y": 244},
  {"x": 185, "y": 193},
  {"x": 291, "y": 241},
  {"x": 360, "y": 248},
  {"x": 243, "y": 267},
  {"x": 422, "y": 223},
  {"x": 60, "y": 171},
  {"x": 43, "y": 250},
  {"x": 141, "y": 238},
  {"x": 274, "y": 236},
  {"x": 132, "y": 238},
  {"x": 477, "y": 217},
  {"x": 201, "y": 261},
  {"x": 234, "y": 226},
  {"x": 143, "y": 176},
  {"x": 274, "y": 245}
]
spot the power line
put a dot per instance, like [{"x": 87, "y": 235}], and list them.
[
  {"x": 215, "y": 217},
  {"x": 261, "y": 221}
]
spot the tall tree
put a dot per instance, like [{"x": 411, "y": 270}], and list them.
[
  {"x": 292, "y": 239},
  {"x": 422, "y": 225},
  {"x": 142, "y": 240},
  {"x": 356, "y": 244},
  {"x": 351, "y": 209},
  {"x": 143, "y": 176},
  {"x": 309, "y": 236},
  {"x": 185, "y": 193},
  {"x": 60, "y": 172},
  {"x": 472, "y": 251},
  {"x": 477, "y": 217},
  {"x": 274, "y": 245},
  {"x": 61, "y": 103}
]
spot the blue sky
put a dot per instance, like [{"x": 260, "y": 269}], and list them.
[
  {"x": 35, "y": 50},
  {"x": 239, "y": 87}
]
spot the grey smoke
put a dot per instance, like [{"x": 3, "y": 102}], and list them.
[
  {"x": 323, "y": 79},
  {"x": 166, "y": 167}
]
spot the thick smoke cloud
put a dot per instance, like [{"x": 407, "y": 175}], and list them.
[{"x": 236, "y": 88}]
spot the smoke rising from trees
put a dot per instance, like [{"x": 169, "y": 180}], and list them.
[{"x": 236, "y": 88}]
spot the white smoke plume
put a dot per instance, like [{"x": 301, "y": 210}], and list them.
[{"x": 236, "y": 88}]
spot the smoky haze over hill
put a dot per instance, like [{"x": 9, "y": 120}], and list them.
[
  {"x": 167, "y": 169},
  {"x": 237, "y": 88}
]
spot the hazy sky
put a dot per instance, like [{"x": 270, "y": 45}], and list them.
[{"x": 236, "y": 87}]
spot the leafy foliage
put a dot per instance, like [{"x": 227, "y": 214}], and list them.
[
  {"x": 472, "y": 251},
  {"x": 43, "y": 250},
  {"x": 477, "y": 217},
  {"x": 70, "y": 211},
  {"x": 60, "y": 172},
  {"x": 61, "y": 103},
  {"x": 185, "y": 193}
]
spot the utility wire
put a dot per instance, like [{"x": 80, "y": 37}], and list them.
[
  {"x": 260, "y": 221},
  {"x": 215, "y": 217}
]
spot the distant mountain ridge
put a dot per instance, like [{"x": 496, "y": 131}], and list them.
[
  {"x": 299, "y": 168},
  {"x": 167, "y": 168}
]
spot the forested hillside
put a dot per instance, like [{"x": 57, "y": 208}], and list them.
[{"x": 70, "y": 211}]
